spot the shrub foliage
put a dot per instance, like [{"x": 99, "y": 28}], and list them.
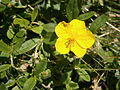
[{"x": 28, "y": 59}]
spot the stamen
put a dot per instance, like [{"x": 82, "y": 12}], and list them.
[{"x": 69, "y": 42}]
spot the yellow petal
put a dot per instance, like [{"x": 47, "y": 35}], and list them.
[
  {"x": 62, "y": 29},
  {"x": 86, "y": 40},
  {"x": 61, "y": 47},
  {"x": 77, "y": 26},
  {"x": 77, "y": 50}
]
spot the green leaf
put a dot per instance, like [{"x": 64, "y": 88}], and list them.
[
  {"x": 34, "y": 14},
  {"x": 4, "y": 54},
  {"x": 72, "y": 86},
  {"x": 106, "y": 56},
  {"x": 40, "y": 67},
  {"x": 49, "y": 38},
  {"x": 2, "y": 86},
  {"x": 118, "y": 85},
  {"x": 22, "y": 22},
  {"x": 37, "y": 2},
  {"x": 2, "y": 74},
  {"x": 2, "y": 7},
  {"x": 10, "y": 83},
  {"x": 17, "y": 45},
  {"x": 50, "y": 27},
  {"x": 30, "y": 83},
  {"x": 5, "y": 1},
  {"x": 28, "y": 45},
  {"x": 37, "y": 30},
  {"x": 18, "y": 40},
  {"x": 21, "y": 80},
  {"x": 113, "y": 9},
  {"x": 21, "y": 33},
  {"x": 10, "y": 32},
  {"x": 19, "y": 36},
  {"x": 15, "y": 88},
  {"x": 112, "y": 3},
  {"x": 83, "y": 75},
  {"x": 86, "y": 16},
  {"x": 4, "y": 47},
  {"x": 66, "y": 77},
  {"x": 98, "y": 23},
  {"x": 72, "y": 9},
  {"x": 4, "y": 67}
]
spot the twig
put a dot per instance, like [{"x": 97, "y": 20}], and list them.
[
  {"x": 90, "y": 67},
  {"x": 48, "y": 86},
  {"x": 104, "y": 34},
  {"x": 99, "y": 79},
  {"x": 36, "y": 23},
  {"x": 114, "y": 15},
  {"x": 98, "y": 62},
  {"x": 108, "y": 69},
  {"x": 12, "y": 64},
  {"x": 112, "y": 26},
  {"x": 30, "y": 7},
  {"x": 93, "y": 69},
  {"x": 96, "y": 84}
]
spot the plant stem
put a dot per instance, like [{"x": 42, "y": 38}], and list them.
[{"x": 12, "y": 63}]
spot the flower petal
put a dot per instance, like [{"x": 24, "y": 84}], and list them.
[
  {"x": 86, "y": 40},
  {"x": 77, "y": 50},
  {"x": 62, "y": 29},
  {"x": 60, "y": 46},
  {"x": 77, "y": 26}
]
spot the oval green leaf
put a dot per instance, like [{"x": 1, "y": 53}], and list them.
[
  {"x": 72, "y": 9},
  {"x": 72, "y": 86},
  {"x": 10, "y": 83},
  {"x": 40, "y": 67},
  {"x": 4, "y": 47},
  {"x": 15, "y": 88},
  {"x": 30, "y": 83},
  {"x": 2, "y": 74},
  {"x": 106, "y": 56},
  {"x": 37, "y": 30},
  {"x": 28, "y": 45},
  {"x": 20, "y": 35},
  {"x": 10, "y": 32},
  {"x": 98, "y": 23},
  {"x": 83, "y": 75},
  {"x": 5, "y": 1},
  {"x": 34, "y": 14},
  {"x": 2, "y": 7},
  {"x": 2, "y": 86},
  {"x": 50, "y": 27},
  {"x": 4, "y": 67},
  {"x": 49, "y": 38},
  {"x": 22, "y": 22},
  {"x": 21, "y": 80},
  {"x": 86, "y": 16}
]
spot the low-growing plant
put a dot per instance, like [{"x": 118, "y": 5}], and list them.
[{"x": 59, "y": 45}]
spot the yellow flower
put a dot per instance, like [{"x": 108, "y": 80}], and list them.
[{"x": 73, "y": 37}]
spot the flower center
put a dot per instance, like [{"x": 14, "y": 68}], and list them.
[{"x": 69, "y": 43}]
